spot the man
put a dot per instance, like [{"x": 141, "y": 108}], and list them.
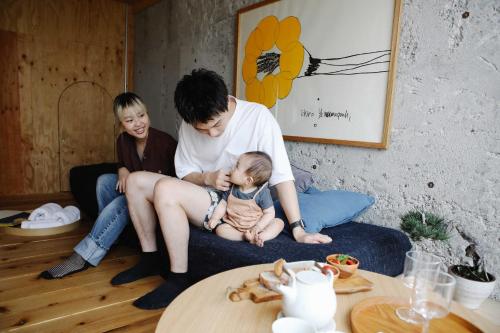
[{"x": 216, "y": 129}]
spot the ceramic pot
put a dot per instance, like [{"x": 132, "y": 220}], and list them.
[
  {"x": 470, "y": 293},
  {"x": 309, "y": 296}
]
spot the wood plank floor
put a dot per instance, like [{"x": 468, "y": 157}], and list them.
[{"x": 84, "y": 302}]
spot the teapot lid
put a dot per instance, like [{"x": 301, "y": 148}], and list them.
[{"x": 311, "y": 277}]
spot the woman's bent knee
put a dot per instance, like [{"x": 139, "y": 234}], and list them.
[{"x": 105, "y": 181}]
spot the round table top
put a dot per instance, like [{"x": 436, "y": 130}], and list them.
[{"x": 205, "y": 307}]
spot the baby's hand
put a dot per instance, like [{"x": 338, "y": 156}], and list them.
[{"x": 212, "y": 223}]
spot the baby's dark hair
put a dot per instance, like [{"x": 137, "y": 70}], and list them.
[
  {"x": 200, "y": 96},
  {"x": 126, "y": 100},
  {"x": 260, "y": 168}
]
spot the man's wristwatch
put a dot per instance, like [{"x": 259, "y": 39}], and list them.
[{"x": 299, "y": 223}]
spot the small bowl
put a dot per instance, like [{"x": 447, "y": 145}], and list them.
[
  {"x": 345, "y": 270},
  {"x": 335, "y": 270}
]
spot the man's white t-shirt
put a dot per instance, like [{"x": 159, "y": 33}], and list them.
[{"x": 252, "y": 127}]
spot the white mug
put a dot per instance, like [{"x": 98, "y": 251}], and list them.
[{"x": 292, "y": 325}]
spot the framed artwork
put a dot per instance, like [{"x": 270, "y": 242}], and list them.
[{"x": 325, "y": 68}]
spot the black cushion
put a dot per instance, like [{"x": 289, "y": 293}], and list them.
[{"x": 83, "y": 180}]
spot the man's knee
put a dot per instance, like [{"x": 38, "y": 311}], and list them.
[
  {"x": 164, "y": 191},
  {"x": 135, "y": 183}
]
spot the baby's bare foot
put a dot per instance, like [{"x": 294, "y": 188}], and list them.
[
  {"x": 248, "y": 236},
  {"x": 258, "y": 241}
]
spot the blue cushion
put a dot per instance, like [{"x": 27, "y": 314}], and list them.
[
  {"x": 329, "y": 208},
  {"x": 303, "y": 181}
]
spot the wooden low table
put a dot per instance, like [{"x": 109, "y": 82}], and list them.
[{"x": 204, "y": 307}]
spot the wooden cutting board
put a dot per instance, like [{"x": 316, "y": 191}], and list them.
[
  {"x": 378, "y": 314},
  {"x": 252, "y": 289},
  {"x": 353, "y": 284}
]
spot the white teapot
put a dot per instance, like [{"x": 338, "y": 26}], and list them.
[{"x": 309, "y": 295}]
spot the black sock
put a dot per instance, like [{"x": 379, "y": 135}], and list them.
[
  {"x": 75, "y": 263},
  {"x": 149, "y": 264},
  {"x": 162, "y": 296}
]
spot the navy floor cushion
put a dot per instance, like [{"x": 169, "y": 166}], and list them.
[{"x": 379, "y": 249}]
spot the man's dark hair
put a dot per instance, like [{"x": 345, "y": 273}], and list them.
[{"x": 200, "y": 96}]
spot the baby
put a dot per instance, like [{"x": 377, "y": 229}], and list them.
[{"x": 246, "y": 211}]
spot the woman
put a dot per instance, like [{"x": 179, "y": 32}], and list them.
[{"x": 140, "y": 148}]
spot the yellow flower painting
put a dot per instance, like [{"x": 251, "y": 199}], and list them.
[
  {"x": 324, "y": 69},
  {"x": 273, "y": 59}
]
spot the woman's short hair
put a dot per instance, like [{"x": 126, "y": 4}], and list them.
[
  {"x": 261, "y": 167},
  {"x": 200, "y": 96},
  {"x": 126, "y": 100}
]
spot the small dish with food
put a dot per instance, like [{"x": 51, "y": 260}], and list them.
[{"x": 346, "y": 264}]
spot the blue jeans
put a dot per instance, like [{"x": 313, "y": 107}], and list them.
[{"x": 112, "y": 219}]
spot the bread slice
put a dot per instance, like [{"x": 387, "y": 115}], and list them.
[
  {"x": 278, "y": 267},
  {"x": 269, "y": 279}
]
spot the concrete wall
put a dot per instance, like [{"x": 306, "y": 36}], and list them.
[{"x": 444, "y": 154}]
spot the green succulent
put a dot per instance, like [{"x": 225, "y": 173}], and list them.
[{"x": 420, "y": 225}]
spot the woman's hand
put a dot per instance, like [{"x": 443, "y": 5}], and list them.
[
  {"x": 121, "y": 184},
  {"x": 219, "y": 180},
  {"x": 302, "y": 236}
]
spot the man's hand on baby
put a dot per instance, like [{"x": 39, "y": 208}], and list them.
[{"x": 219, "y": 180}]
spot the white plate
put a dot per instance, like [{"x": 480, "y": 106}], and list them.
[
  {"x": 298, "y": 266},
  {"x": 330, "y": 328}
]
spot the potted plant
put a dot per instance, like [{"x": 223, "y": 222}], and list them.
[
  {"x": 420, "y": 224},
  {"x": 474, "y": 284}
]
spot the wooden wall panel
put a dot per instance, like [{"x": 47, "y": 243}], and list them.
[
  {"x": 11, "y": 154},
  {"x": 70, "y": 66},
  {"x": 78, "y": 125}
]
